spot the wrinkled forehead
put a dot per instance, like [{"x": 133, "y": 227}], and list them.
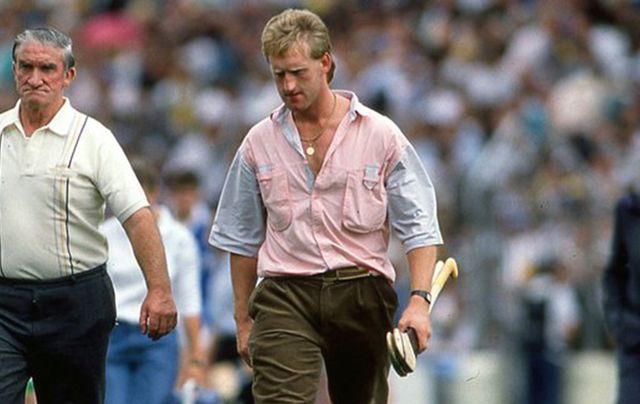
[{"x": 32, "y": 50}]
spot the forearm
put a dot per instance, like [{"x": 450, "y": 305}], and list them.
[
  {"x": 421, "y": 264},
  {"x": 192, "y": 334},
  {"x": 416, "y": 314},
  {"x": 147, "y": 246},
  {"x": 243, "y": 277},
  {"x": 158, "y": 314}
]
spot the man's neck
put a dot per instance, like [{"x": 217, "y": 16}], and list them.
[
  {"x": 317, "y": 113},
  {"x": 35, "y": 117}
]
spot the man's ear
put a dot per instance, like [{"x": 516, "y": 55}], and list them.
[
  {"x": 69, "y": 75},
  {"x": 327, "y": 61}
]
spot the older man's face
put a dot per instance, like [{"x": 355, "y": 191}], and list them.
[{"x": 40, "y": 76}]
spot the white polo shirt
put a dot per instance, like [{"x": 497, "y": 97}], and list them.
[
  {"x": 183, "y": 265},
  {"x": 53, "y": 189}
]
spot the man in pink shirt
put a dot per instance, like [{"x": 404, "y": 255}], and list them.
[{"x": 308, "y": 205}]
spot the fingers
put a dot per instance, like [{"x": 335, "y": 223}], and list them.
[
  {"x": 160, "y": 325},
  {"x": 243, "y": 350},
  {"x": 420, "y": 323},
  {"x": 158, "y": 317},
  {"x": 242, "y": 345},
  {"x": 246, "y": 358},
  {"x": 144, "y": 320},
  {"x": 422, "y": 335}
]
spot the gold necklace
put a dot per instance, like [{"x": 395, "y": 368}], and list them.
[{"x": 310, "y": 150}]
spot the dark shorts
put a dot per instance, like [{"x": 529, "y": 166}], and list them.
[
  {"x": 56, "y": 331},
  {"x": 301, "y": 323}
]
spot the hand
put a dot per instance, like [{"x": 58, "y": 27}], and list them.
[
  {"x": 196, "y": 370},
  {"x": 416, "y": 316},
  {"x": 158, "y": 314},
  {"x": 242, "y": 339}
]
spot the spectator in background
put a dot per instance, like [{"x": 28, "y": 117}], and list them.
[
  {"x": 185, "y": 200},
  {"x": 140, "y": 370},
  {"x": 621, "y": 283},
  {"x": 206, "y": 147},
  {"x": 452, "y": 339},
  {"x": 59, "y": 167},
  {"x": 550, "y": 322},
  {"x": 219, "y": 332}
]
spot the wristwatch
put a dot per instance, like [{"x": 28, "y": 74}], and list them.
[{"x": 425, "y": 294}]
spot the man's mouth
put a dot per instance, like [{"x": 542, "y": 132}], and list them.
[
  {"x": 34, "y": 90},
  {"x": 293, "y": 96}
]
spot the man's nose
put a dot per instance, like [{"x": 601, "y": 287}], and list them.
[
  {"x": 35, "y": 78},
  {"x": 289, "y": 82}
]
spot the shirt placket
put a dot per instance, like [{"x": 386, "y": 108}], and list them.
[
  {"x": 31, "y": 148},
  {"x": 318, "y": 212},
  {"x": 317, "y": 207}
]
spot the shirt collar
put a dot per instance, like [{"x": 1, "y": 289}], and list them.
[
  {"x": 62, "y": 120},
  {"x": 280, "y": 114},
  {"x": 59, "y": 124},
  {"x": 11, "y": 117}
]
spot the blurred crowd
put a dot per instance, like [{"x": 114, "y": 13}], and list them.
[{"x": 526, "y": 114}]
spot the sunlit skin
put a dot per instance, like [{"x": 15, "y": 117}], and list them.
[
  {"x": 40, "y": 82},
  {"x": 301, "y": 82},
  {"x": 303, "y": 86}
]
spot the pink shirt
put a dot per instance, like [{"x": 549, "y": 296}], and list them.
[{"x": 272, "y": 207}]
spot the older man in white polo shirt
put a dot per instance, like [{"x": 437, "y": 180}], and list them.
[{"x": 58, "y": 169}]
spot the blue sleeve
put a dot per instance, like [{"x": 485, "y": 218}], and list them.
[
  {"x": 412, "y": 203},
  {"x": 239, "y": 224}
]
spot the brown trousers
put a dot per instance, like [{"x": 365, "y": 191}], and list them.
[{"x": 299, "y": 322}]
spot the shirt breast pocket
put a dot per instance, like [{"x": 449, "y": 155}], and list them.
[
  {"x": 274, "y": 187},
  {"x": 365, "y": 202}
]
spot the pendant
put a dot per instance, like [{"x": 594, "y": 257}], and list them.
[{"x": 310, "y": 151}]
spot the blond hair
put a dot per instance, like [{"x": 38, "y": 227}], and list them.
[{"x": 295, "y": 26}]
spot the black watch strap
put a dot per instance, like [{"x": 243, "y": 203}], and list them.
[{"x": 425, "y": 294}]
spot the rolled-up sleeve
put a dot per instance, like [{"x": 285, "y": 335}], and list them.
[
  {"x": 239, "y": 224},
  {"x": 412, "y": 203}
]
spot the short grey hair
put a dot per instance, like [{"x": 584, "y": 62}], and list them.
[{"x": 49, "y": 37}]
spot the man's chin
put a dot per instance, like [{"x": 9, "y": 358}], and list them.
[
  {"x": 295, "y": 106},
  {"x": 294, "y": 103},
  {"x": 34, "y": 103}
]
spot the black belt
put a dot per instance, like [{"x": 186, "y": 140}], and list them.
[{"x": 345, "y": 274}]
